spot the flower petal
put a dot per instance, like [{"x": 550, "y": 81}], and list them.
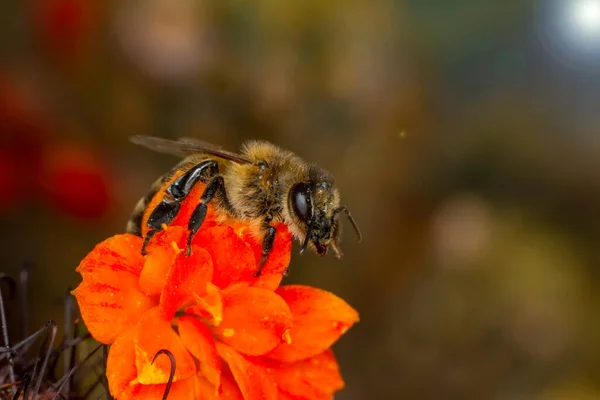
[
  {"x": 320, "y": 318},
  {"x": 254, "y": 319},
  {"x": 181, "y": 390},
  {"x": 252, "y": 378},
  {"x": 317, "y": 377},
  {"x": 162, "y": 250},
  {"x": 126, "y": 248},
  {"x": 109, "y": 296},
  {"x": 121, "y": 373},
  {"x": 228, "y": 390},
  {"x": 233, "y": 260},
  {"x": 188, "y": 276},
  {"x": 279, "y": 257},
  {"x": 120, "y": 364},
  {"x": 210, "y": 305},
  {"x": 198, "y": 340},
  {"x": 206, "y": 390},
  {"x": 153, "y": 334}
]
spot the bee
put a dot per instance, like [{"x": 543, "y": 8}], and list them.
[{"x": 263, "y": 185}]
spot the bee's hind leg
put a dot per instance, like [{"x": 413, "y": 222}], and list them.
[
  {"x": 175, "y": 194},
  {"x": 199, "y": 212},
  {"x": 163, "y": 214},
  {"x": 147, "y": 239}
]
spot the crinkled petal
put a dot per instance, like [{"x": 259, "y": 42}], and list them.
[
  {"x": 254, "y": 319},
  {"x": 181, "y": 390},
  {"x": 156, "y": 268},
  {"x": 198, "y": 340},
  {"x": 188, "y": 276},
  {"x": 210, "y": 305},
  {"x": 162, "y": 250},
  {"x": 125, "y": 248},
  {"x": 285, "y": 396},
  {"x": 228, "y": 390},
  {"x": 109, "y": 296},
  {"x": 120, "y": 365},
  {"x": 317, "y": 377},
  {"x": 121, "y": 373},
  {"x": 320, "y": 318},
  {"x": 153, "y": 334},
  {"x": 233, "y": 260},
  {"x": 252, "y": 378},
  {"x": 206, "y": 390},
  {"x": 279, "y": 257}
]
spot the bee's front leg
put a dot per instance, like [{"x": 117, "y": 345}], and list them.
[
  {"x": 267, "y": 245},
  {"x": 335, "y": 239},
  {"x": 199, "y": 212}
]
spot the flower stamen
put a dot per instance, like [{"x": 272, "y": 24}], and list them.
[{"x": 287, "y": 337}]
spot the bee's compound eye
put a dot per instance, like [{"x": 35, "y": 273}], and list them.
[{"x": 300, "y": 198}]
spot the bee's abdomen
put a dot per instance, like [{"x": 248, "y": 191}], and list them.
[{"x": 134, "y": 225}]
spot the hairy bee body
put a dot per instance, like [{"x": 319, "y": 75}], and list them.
[{"x": 262, "y": 185}]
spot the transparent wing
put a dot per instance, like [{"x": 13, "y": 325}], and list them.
[{"x": 187, "y": 146}]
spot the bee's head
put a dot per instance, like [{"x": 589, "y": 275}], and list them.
[{"x": 315, "y": 205}]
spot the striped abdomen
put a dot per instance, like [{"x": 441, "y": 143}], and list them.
[{"x": 134, "y": 225}]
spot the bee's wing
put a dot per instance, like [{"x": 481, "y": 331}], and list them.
[{"x": 187, "y": 146}]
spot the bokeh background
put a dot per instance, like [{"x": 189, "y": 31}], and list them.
[{"x": 464, "y": 136}]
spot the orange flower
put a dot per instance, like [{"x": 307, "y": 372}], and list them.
[{"x": 230, "y": 334}]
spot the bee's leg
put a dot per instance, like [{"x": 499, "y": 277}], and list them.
[
  {"x": 147, "y": 239},
  {"x": 335, "y": 240},
  {"x": 199, "y": 212},
  {"x": 175, "y": 194},
  {"x": 267, "y": 246},
  {"x": 164, "y": 213}
]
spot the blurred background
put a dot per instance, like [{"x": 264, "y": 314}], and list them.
[{"x": 464, "y": 136}]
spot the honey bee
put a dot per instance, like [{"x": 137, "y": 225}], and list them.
[{"x": 262, "y": 185}]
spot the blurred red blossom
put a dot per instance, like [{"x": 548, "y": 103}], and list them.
[
  {"x": 64, "y": 26},
  {"x": 75, "y": 180},
  {"x": 35, "y": 166}
]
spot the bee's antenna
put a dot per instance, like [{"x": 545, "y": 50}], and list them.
[{"x": 343, "y": 208}]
